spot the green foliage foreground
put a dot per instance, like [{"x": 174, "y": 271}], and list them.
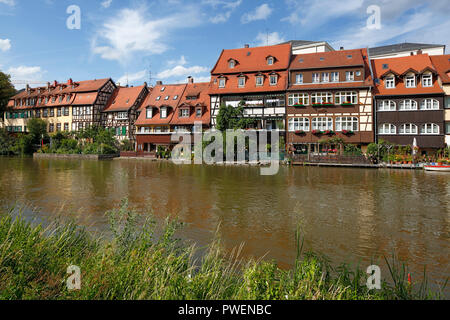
[{"x": 138, "y": 264}]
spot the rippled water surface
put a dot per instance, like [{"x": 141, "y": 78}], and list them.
[{"x": 350, "y": 215}]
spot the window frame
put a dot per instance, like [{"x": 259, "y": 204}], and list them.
[
  {"x": 346, "y": 123},
  {"x": 322, "y": 123},
  {"x": 413, "y": 104},
  {"x": 432, "y": 104},
  {"x": 382, "y": 131},
  {"x": 424, "y": 127},
  {"x": 384, "y": 109},
  {"x": 299, "y": 124},
  {"x": 408, "y": 126}
]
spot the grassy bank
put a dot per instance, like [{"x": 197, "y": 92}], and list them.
[{"x": 138, "y": 264}]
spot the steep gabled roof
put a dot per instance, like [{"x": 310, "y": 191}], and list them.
[
  {"x": 201, "y": 91},
  {"x": 331, "y": 59},
  {"x": 123, "y": 98},
  {"x": 442, "y": 65},
  {"x": 253, "y": 59}
]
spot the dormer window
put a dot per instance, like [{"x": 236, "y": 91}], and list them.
[
  {"x": 325, "y": 77},
  {"x": 149, "y": 113},
  {"x": 68, "y": 98},
  {"x": 198, "y": 112},
  {"x": 241, "y": 82},
  {"x": 163, "y": 112},
  {"x": 350, "y": 75},
  {"x": 273, "y": 80},
  {"x": 390, "y": 82},
  {"x": 231, "y": 64},
  {"x": 410, "y": 81},
  {"x": 163, "y": 88},
  {"x": 427, "y": 80},
  {"x": 270, "y": 61},
  {"x": 53, "y": 99},
  {"x": 259, "y": 81},
  {"x": 158, "y": 98},
  {"x": 184, "y": 113},
  {"x": 167, "y": 98},
  {"x": 316, "y": 77},
  {"x": 175, "y": 97},
  {"x": 60, "y": 99},
  {"x": 299, "y": 78},
  {"x": 222, "y": 83}
]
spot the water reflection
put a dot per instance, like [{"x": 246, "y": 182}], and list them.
[{"x": 348, "y": 214}]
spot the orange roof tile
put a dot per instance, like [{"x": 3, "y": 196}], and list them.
[
  {"x": 442, "y": 65},
  {"x": 399, "y": 66},
  {"x": 123, "y": 98},
  {"x": 201, "y": 91},
  {"x": 343, "y": 58},
  {"x": 253, "y": 59}
]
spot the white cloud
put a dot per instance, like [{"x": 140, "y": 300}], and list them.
[
  {"x": 181, "y": 71},
  {"x": 106, "y": 4},
  {"x": 132, "y": 31},
  {"x": 268, "y": 39},
  {"x": 180, "y": 62},
  {"x": 26, "y": 74},
  {"x": 8, "y": 2},
  {"x": 5, "y": 44},
  {"x": 226, "y": 8},
  {"x": 260, "y": 13},
  {"x": 132, "y": 78}
]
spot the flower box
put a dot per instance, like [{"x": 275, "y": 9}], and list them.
[
  {"x": 330, "y": 133},
  {"x": 299, "y": 132},
  {"x": 347, "y": 104},
  {"x": 316, "y": 132},
  {"x": 323, "y": 104},
  {"x": 347, "y": 132},
  {"x": 299, "y": 106}
]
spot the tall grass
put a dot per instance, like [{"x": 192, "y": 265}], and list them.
[{"x": 140, "y": 263}]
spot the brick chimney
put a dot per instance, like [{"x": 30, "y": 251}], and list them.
[
  {"x": 342, "y": 48},
  {"x": 159, "y": 83},
  {"x": 70, "y": 82},
  {"x": 55, "y": 83},
  {"x": 247, "y": 46},
  {"x": 190, "y": 80},
  {"x": 420, "y": 51}
]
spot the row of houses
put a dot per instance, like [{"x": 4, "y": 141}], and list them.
[{"x": 305, "y": 90}]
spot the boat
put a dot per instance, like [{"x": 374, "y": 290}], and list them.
[{"x": 434, "y": 167}]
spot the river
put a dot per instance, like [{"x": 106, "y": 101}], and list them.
[{"x": 350, "y": 215}]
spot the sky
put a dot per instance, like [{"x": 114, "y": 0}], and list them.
[{"x": 132, "y": 41}]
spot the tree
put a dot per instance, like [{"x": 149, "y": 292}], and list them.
[
  {"x": 37, "y": 129},
  {"x": 6, "y": 91},
  {"x": 230, "y": 117}
]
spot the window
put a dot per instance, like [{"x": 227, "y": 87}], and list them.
[
  {"x": 58, "y": 127},
  {"x": 387, "y": 128},
  {"x": 158, "y": 98},
  {"x": 231, "y": 64},
  {"x": 175, "y": 97},
  {"x": 298, "y": 124},
  {"x": 410, "y": 81},
  {"x": 167, "y": 98},
  {"x": 222, "y": 83},
  {"x": 429, "y": 104},
  {"x": 390, "y": 82},
  {"x": 316, "y": 77},
  {"x": 198, "y": 112},
  {"x": 241, "y": 82},
  {"x": 447, "y": 128},
  {"x": 163, "y": 112},
  {"x": 270, "y": 61},
  {"x": 184, "y": 113},
  {"x": 347, "y": 123},
  {"x": 298, "y": 98},
  {"x": 60, "y": 99},
  {"x": 335, "y": 77},
  {"x": 66, "y": 111},
  {"x": 273, "y": 80},
  {"x": 346, "y": 97},
  {"x": 52, "y": 112},
  {"x": 325, "y": 77},
  {"x": 322, "y": 123},
  {"x": 122, "y": 116},
  {"x": 66, "y": 127},
  {"x": 321, "y": 97},
  {"x": 53, "y": 99},
  {"x": 259, "y": 80},
  {"x": 45, "y": 113},
  {"x": 163, "y": 88},
  {"x": 350, "y": 75},
  {"x": 68, "y": 98},
  {"x": 58, "y": 112},
  {"x": 386, "y": 105},
  {"x": 408, "y": 128},
  {"x": 427, "y": 80},
  {"x": 429, "y": 128},
  {"x": 51, "y": 127},
  {"x": 149, "y": 113},
  {"x": 299, "y": 78},
  {"x": 447, "y": 103},
  {"x": 407, "y": 105}
]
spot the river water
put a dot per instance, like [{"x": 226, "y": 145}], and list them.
[{"x": 350, "y": 215}]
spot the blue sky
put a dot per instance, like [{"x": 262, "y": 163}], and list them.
[{"x": 124, "y": 39}]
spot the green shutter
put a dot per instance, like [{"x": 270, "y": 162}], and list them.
[{"x": 124, "y": 131}]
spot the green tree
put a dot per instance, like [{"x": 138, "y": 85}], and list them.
[
  {"x": 7, "y": 142},
  {"x": 230, "y": 117},
  {"x": 37, "y": 129},
  {"x": 6, "y": 91}
]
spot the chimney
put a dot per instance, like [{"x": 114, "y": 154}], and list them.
[
  {"x": 48, "y": 86},
  {"x": 28, "y": 88},
  {"x": 420, "y": 51},
  {"x": 412, "y": 53},
  {"x": 342, "y": 48},
  {"x": 159, "y": 83},
  {"x": 190, "y": 80},
  {"x": 70, "y": 82},
  {"x": 55, "y": 83},
  {"x": 247, "y": 46}
]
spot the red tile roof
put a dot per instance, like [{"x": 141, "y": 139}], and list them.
[
  {"x": 171, "y": 91},
  {"x": 123, "y": 98},
  {"x": 442, "y": 65},
  {"x": 400, "y": 66},
  {"x": 200, "y": 90},
  {"x": 253, "y": 59},
  {"x": 342, "y": 58}
]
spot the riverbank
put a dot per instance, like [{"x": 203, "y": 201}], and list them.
[{"x": 137, "y": 264}]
